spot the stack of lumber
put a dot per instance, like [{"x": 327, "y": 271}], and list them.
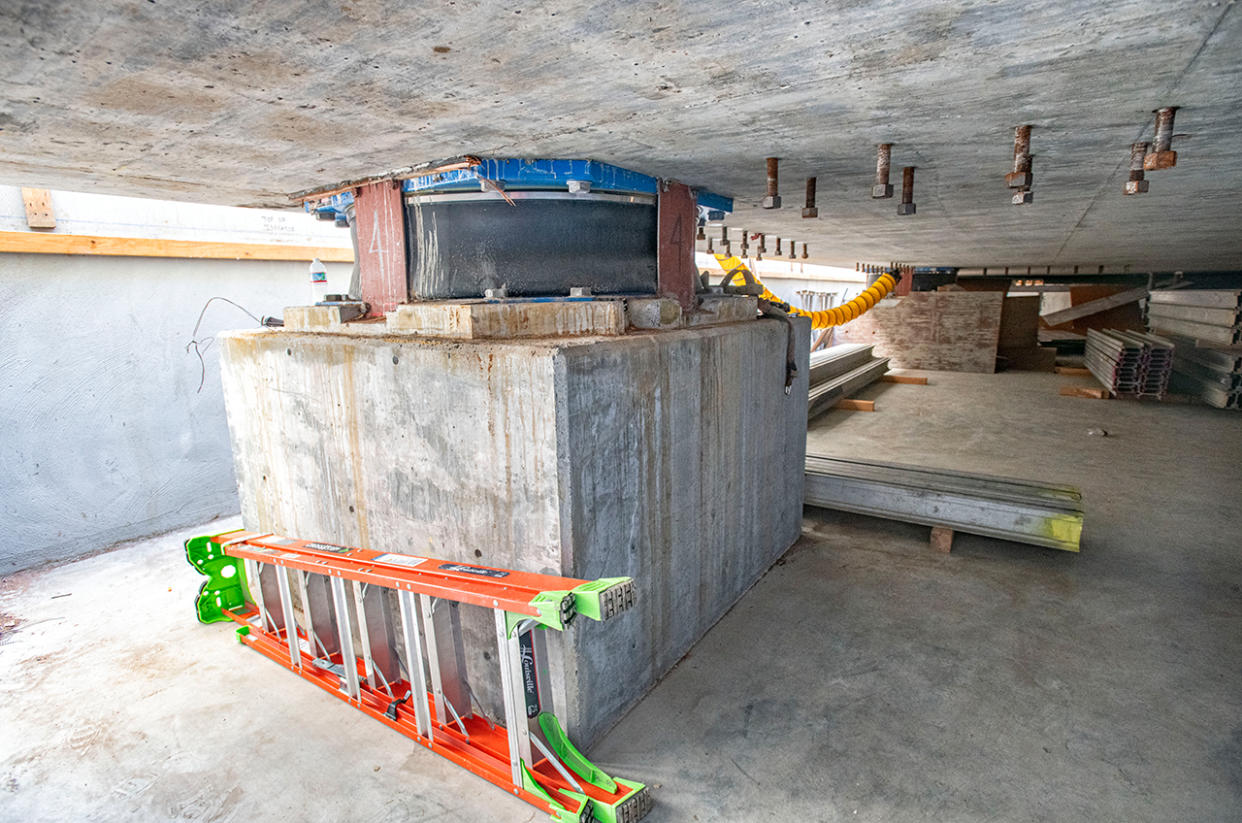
[
  {"x": 837, "y": 373},
  {"x": 1206, "y": 327}
]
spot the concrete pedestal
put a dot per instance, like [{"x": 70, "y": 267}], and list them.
[{"x": 674, "y": 457}]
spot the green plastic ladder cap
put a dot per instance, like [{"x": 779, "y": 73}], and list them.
[
  {"x": 560, "y": 811},
  {"x": 604, "y": 598},
  {"x": 554, "y": 733}
]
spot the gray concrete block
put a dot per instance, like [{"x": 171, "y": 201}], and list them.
[{"x": 673, "y": 457}]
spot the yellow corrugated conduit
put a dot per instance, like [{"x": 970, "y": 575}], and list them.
[{"x": 836, "y": 316}]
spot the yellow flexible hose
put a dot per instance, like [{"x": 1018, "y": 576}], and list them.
[{"x": 835, "y": 316}]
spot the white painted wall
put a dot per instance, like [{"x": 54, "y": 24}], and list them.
[
  {"x": 109, "y": 216},
  {"x": 103, "y": 436},
  {"x": 785, "y": 278}
]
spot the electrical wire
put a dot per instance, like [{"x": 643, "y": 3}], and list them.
[{"x": 200, "y": 346}]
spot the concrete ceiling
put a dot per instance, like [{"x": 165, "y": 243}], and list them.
[{"x": 244, "y": 102}]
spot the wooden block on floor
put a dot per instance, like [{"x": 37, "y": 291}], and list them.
[
  {"x": 1076, "y": 371},
  {"x": 1091, "y": 392},
  {"x": 904, "y": 378},
  {"x": 942, "y": 539},
  {"x": 856, "y": 405}
]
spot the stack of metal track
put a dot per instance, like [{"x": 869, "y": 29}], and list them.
[
  {"x": 1006, "y": 508},
  {"x": 1212, "y": 375},
  {"x": 839, "y": 372},
  {"x": 1206, "y": 325},
  {"x": 1212, "y": 316},
  {"x": 1128, "y": 363}
]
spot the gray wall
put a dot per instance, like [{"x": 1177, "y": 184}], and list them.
[{"x": 103, "y": 436}]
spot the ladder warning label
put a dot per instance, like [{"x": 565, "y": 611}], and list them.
[
  {"x": 479, "y": 570},
  {"x": 398, "y": 559},
  {"x": 329, "y": 547}
]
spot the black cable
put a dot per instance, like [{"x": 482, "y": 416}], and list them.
[{"x": 200, "y": 346}]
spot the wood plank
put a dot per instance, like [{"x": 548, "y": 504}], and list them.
[
  {"x": 942, "y": 539},
  {"x": 856, "y": 405},
  {"x": 1076, "y": 371},
  {"x": 38, "y": 203},
  {"x": 1091, "y": 307},
  {"x": 945, "y": 331},
  {"x": 1091, "y": 392},
  {"x": 31, "y": 243},
  {"x": 904, "y": 378}
]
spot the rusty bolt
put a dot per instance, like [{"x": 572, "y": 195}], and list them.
[
  {"x": 773, "y": 200},
  {"x": 883, "y": 158},
  {"x": 809, "y": 210},
  {"x": 1160, "y": 156},
  {"x": 763, "y": 243},
  {"x": 701, "y": 235},
  {"x": 804, "y": 251},
  {"x": 792, "y": 256},
  {"x": 1020, "y": 177},
  {"x": 745, "y": 242},
  {"x": 907, "y": 192},
  {"x": 710, "y": 250},
  {"x": 1136, "y": 184},
  {"x": 1023, "y": 195}
]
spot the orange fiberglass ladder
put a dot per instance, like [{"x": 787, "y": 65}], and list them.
[{"x": 412, "y": 677}]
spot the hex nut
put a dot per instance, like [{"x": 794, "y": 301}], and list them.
[
  {"x": 772, "y": 202},
  {"x": 578, "y": 186},
  {"x": 1018, "y": 179},
  {"x": 881, "y": 192},
  {"x": 1136, "y": 186},
  {"x": 1157, "y": 160},
  {"x": 1023, "y": 198},
  {"x": 904, "y": 209},
  {"x": 810, "y": 213}
]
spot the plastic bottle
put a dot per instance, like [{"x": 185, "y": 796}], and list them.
[{"x": 318, "y": 280}]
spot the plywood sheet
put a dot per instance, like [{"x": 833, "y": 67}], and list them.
[{"x": 945, "y": 331}]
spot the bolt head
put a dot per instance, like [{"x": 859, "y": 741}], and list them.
[
  {"x": 905, "y": 209},
  {"x": 881, "y": 192},
  {"x": 578, "y": 186},
  {"x": 773, "y": 202},
  {"x": 810, "y": 213},
  {"x": 1157, "y": 160},
  {"x": 1018, "y": 179},
  {"x": 1136, "y": 186},
  {"x": 1023, "y": 198},
  {"x": 496, "y": 294}
]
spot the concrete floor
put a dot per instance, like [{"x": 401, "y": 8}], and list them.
[{"x": 864, "y": 678}]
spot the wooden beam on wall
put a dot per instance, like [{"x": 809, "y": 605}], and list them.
[{"x": 20, "y": 242}]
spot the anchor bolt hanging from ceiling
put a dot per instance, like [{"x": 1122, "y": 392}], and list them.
[
  {"x": 1021, "y": 177},
  {"x": 809, "y": 211},
  {"x": 1161, "y": 155},
  {"x": 883, "y": 159},
  {"x": 906, "y": 207},
  {"x": 773, "y": 199},
  {"x": 1136, "y": 184}
]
